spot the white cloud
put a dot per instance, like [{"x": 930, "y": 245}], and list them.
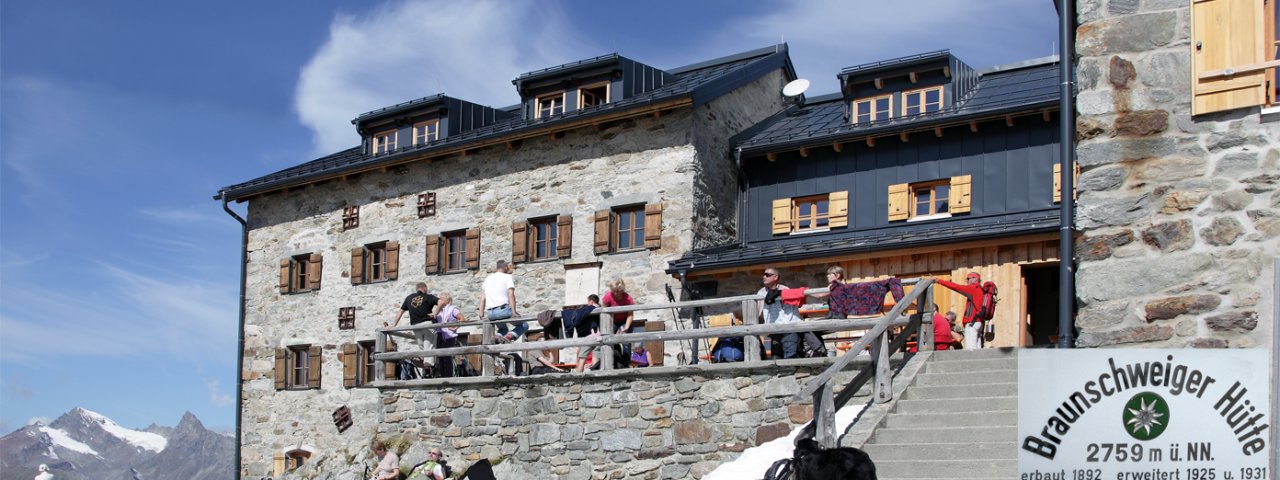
[
  {"x": 200, "y": 214},
  {"x": 218, "y": 399},
  {"x": 470, "y": 50}
]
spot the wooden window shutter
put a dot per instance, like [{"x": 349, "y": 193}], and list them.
[
  {"x": 899, "y": 201},
  {"x": 357, "y": 265},
  {"x": 519, "y": 241},
  {"x": 838, "y": 209},
  {"x": 393, "y": 260},
  {"x": 1057, "y": 182},
  {"x": 282, "y": 367},
  {"x": 1227, "y": 35},
  {"x": 653, "y": 225},
  {"x": 564, "y": 237},
  {"x": 313, "y": 366},
  {"x": 433, "y": 254},
  {"x": 960, "y": 194},
  {"x": 315, "y": 266},
  {"x": 781, "y": 216},
  {"x": 602, "y": 220},
  {"x": 350, "y": 364},
  {"x": 284, "y": 276},
  {"x": 389, "y": 368},
  {"x": 473, "y": 248},
  {"x": 277, "y": 464}
]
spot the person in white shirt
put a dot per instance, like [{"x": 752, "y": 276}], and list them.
[
  {"x": 498, "y": 302},
  {"x": 772, "y": 310}
]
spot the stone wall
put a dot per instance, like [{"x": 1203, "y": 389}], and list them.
[
  {"x": 1179, "y": 216},
  {"x": 650, "y": 159},
  {"x": 640, "y": 426}
]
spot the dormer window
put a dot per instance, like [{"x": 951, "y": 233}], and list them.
[
  {"x": 550, "y": 105},
  {"x": 924, "y": 100},
  {"x": 426, "y": 132},
  {"x": 873, "y": 109},
  {"x": 593, "y": 95},
  {"x": 384, "y": 142}
]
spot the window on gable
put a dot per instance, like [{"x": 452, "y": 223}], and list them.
[
  {"x": 298, "y": 367},
  {"x": 375, "y": 262},
  {"x": 550, "y": 105},
  {"x": 873, "y": 109},
  {"x": 932, "y": 199},
  {"x": 426, "y": 132},
  {"x": 455, "y": 251},
  {"x": 593, "y": 95},
  {"x": 924, "y": 100},
  {"x": 384, "y": 142},
  {"x": 814, "y": 213},
  {"x": 300, "y": 273}
]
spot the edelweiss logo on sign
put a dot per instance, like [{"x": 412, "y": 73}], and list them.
[{"x": 1143, "y": 414}]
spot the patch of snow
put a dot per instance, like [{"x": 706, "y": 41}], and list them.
[
  {"x": 144, "y": 440},
  {"x": 754, "y": 461},
  {"x": 61, "y": 439}
]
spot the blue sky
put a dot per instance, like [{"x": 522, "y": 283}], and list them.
[{"x": 120, "y": 120}]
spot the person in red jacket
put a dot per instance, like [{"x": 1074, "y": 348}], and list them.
[{"x": 972, "y": 291}]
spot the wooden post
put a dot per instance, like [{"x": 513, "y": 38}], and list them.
[
  {"x": 926, "y": 324},
  {"x": 884, "y": 377},
  {"x": 380, "y": 346},
  {"x": 751, "y": 342},
  {"x": 824, "y": 416},
  {"x": 606, "y": 353},
  {"x": 486, "y": 338}
]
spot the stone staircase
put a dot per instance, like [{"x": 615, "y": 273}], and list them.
[{"x": 957, "y": 419}]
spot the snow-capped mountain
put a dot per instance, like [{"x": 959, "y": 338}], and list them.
[{"x": 82, "y": 444}]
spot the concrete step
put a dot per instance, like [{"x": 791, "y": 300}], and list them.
[
  {"x": 892, "y": 469},
  {"x": 982, "y": 405},
  {"x": 917, "y": 392},
  {"x": 1008, "y": 418},
  {"x": 945, "y": 435},
  {"x": 986, "y": 353},
  {"x": 968, "y": 378},
  {"x": 966, "y": 366},
  {"x": 969, "y": 450}
]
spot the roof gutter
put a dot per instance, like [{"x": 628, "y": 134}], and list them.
[
  {"x": 244, "y": 264},
  {"x": 1067, "y": 142}
]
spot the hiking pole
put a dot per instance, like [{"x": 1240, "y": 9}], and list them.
[
  {"x": 671, "y": 297},
  {"x": 695, "y": 316}
]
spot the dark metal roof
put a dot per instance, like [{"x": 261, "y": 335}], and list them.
[
  {"x": 997, "y": 92},
  {"x": 701, "y": 82},
  {"x": 951, "y": 231},
  {"x": 566, "y": 68},
  {"x": 399, "y": 107},
  {"x": 891, "y": 64}
]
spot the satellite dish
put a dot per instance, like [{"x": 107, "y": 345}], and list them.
[{"x": 795, "y": 88}]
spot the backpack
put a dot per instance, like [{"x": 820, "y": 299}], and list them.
[{"x": 987, "y": 302}]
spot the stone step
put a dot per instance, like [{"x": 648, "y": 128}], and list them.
[
  {"x": 966, "y": 366},
  {"x": 969, "y": 450},
  {"x": 983, "y": 405},
  {"x": 945, "y": 435},
  {"x": 961, "y": 391},
  {"x": 893, "y": 469},
  {"x": 927, "y": 420},
  {"x": 968, "y": 378},
  {"x": 985, "y": 353}
]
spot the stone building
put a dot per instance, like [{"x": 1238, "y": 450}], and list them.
[
  {"x": 1179, "y": 207},
  {"x": 608, "y": 168}
]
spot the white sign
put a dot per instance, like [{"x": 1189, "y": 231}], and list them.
[{"x": 1143, "y": 414}]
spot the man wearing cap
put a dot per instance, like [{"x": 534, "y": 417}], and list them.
[{"x": 972, "y": 291}]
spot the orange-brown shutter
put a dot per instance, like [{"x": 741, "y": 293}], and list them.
[
  {"x": 282, "y": 367},
  {"x": 602, "y": 219},
  {"x": 1057, "y": 182},
  {"x": 838, "y": 209},
  {"x": 313, "y": 366},
  {"x": 519, "y": 241},
  {"x": 1227, "y": 35},
  {"x": 781, "y": 216},
  {"x": 350, "y": 364},
  {"x": 653, "y": 225},
  {"x": 315, "y": 266},
  {"x": 898, "y": 202},
  {"x": 357, "y": 265},
  {"x": 277, "y": 464},
  {"x": 390, "y": 366},
  {"x": 960, "y": 193},
  {"x": 393, "y": 260},
  {"x": 433, "y": 254},
  {"x": 564, "y": 237},
  {"x": 473, "y": 248},
  {"x": 284, "y": 276}
]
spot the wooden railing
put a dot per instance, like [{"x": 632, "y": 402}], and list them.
[{"x": 825, "y": 400}]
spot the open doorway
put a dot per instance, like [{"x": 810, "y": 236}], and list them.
[{"x": 1042, "y": 303}]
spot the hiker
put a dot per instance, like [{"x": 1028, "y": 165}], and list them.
[
  {"x": 499, "y": 295},
  {"x": 774, "y": 310},
  {"x": 617, "y": 296},
  {"x": 388, "y": 462},
  {"x": 972, "y": 292},
  {"x": 435, "y": 468},
  {"x": 585, "y": 324},
  {"x": 422, "y": 308},
  {"x": 447, "y": 337},
  {"x": 639, "y": 356}
]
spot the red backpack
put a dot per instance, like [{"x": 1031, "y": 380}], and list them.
[{"x": 987, "y": 303}]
